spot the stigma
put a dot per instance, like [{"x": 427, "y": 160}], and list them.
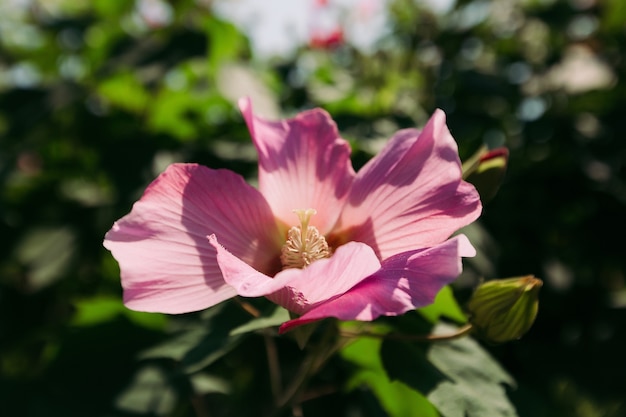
[{"x": 304, "y": 244}]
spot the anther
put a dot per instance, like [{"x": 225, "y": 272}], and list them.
[{"x": 304, "y": 243}]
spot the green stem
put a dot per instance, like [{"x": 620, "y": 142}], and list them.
[
  {"x": 249, "y": 308},
  {"x": 313, "y": 362},
  {"x": 273, "y": 365}
]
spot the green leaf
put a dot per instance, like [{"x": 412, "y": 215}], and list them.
[
  {"x": 445, "y": 305},
  {"x": 204, "y": 383},
  {"x": 408, "y": 362},
  {"x": 175, "y": 347},
  {"x": 195, "y": 349},
  {"x": 614, "y": 14},
  {"x": 148, "y": 320},
  {"x": 459, "y": 377},
  {"x": 46, "y": 254},
  {"x": 177, "y": 113},
  {"x": 277, "y": 317},
  {"x": 225, "y": 43},
  {"x": 126, "y": 91},
  {"x": 110, "y": 9},
  {"x": 199, "y": 343},
  {"x": 97, "y": 310},
  {"x": 149, "y": 392},
  {"x": 92, "y": 311},
  {"x": 396, "y": 398}
]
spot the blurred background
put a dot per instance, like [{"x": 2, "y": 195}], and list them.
[{"x": 98, "y": 96}]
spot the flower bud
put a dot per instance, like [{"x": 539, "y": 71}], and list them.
[
  {"x": 486, "y": 171},
  {"x": 504, "y": 309}
]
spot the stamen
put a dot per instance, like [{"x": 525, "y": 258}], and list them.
[{"x": 304, "y": 243}]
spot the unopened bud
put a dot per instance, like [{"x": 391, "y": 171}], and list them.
[
  {"x": 486, "y": 171},
  {"x": 504, "y": 309}
]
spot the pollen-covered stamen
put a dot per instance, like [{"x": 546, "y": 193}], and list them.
[{"x": 304, "y": 243}]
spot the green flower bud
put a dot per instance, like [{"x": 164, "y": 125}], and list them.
[
  {"x": 486, "y": 169},
  {"x": 504, "y": 309}
]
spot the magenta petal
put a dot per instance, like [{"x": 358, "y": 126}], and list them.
[
  {"x": 298, "y": 289},
  {"x": 167, "y": 264},
  {"x": 303, "y": 163},
  {"x": 411, "y": 195},
  {"x": 404, "y": 282}
]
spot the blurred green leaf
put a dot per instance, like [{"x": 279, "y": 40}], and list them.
[
  {"x": 175, "y": 347},
  {"x": 88, "y": 193},
  {"x": 445, "y": 305},
  {"x": 92, "y": 311},
  {"x": 194, "y": 349},
  {"x": 199, "y": 343},
  {"x": 149, "y": 392},
  {"x": 154, "y": 321},
  {"x": 46, "y": 253},
  {"x": 614, "y": 14},
  {"x": 178, "y": 113},
  {"x": 226, "y": 43},
  {"x": 96, "y": 310},
  {"x": 204, "y": 383},
  {"x": 110, "y": 8},
  {"x": 125, "y": 91}
]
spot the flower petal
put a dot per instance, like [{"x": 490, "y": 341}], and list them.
[
  {"x": 303, "y": 163},
  {"x": 167, "y": 265},
  {"x": 299, "y": 289},
  {"x": 411, "y": 195},
  {"x": 404, "y": 282},
  {"x": 243, "y": 278},
  {"x": 326, "y": 278}
]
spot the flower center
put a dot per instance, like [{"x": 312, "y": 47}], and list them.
[{"x": 304, "y": 243}]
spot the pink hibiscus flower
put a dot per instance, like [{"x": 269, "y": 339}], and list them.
[{"x": 315, "y": 237}]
